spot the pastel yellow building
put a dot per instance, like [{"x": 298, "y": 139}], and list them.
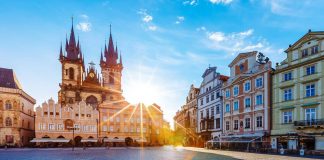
[{"x": 16, "y": 111}]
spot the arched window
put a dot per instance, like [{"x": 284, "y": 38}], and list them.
[
  {"x": 111, "y": 77},
  {"x": 71, "y": 73},
  {"x": 92, "y": 100},
  {"x": 8, "y": 122},
  {"x": 8, "y": 105},
  {"x": 71, "y": 100}
]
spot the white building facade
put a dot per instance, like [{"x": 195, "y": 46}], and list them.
[{"x": 209, "y": 100}]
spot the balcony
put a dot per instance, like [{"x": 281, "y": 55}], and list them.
[{"x": 319, "y": 123}]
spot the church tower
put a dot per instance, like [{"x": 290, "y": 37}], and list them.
[
  {"x": 72, "y": 70},
  {"x": 111, "y": 69}
]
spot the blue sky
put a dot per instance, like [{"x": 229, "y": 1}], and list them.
[{"x": 167, "y": 43}]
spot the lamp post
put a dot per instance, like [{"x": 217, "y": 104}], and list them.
[{"x": 73, "y": 142}]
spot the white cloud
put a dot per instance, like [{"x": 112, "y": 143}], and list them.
[
  {"x": 84, "y": 26},
  {"x": 180, "y": 19},
  {"x": 147, "y": 18},
  {"x": 221, "y": 1},
  {"x": 236, "y": 42},
  {"x": 152, "y": 28},
  {"x": 216, "y": 36},
  {"x": 191, "y": 3}
]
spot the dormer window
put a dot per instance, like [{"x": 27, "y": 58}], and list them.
[
  {"x": 314, "y": 49},
  {"x": 241, "y": 67},
  {"x": 305, "y": 52}
]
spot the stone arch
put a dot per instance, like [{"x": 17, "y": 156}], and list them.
[
  {"x": 8, "y": 122},
  {"x": 77, "y": 140},
  {"x": 92, "y": 100},
  {"x": 71, "y": 73},
  {"x": 46, "y": 136},
  {"x": 128, "y": 141},
  {"x": 90, "y": 137},
  {"x": 60, "y": 136}
]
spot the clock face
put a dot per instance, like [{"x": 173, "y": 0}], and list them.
[{"x": 91, "y": 75}]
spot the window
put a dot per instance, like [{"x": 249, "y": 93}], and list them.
[
  {"x": 227, "y": 108},
  {"x": 247, "y": 102},
  {"x": 207, "y": 113},
  {"x": 236, "y": 106},
  {"x": 227, "y": 93},
  {"x": 235, "y": 124},
  {"x": 310, "y": 114},
  {"x": 201, "y": 101},
  {"x": 235, "y": 91},
  {"x": 8, "y": 105},
  {"x": 241, "y": 67},
  {"x": 288, "y": 76},
  {"x": 258, "y": 82},
  {"x": 126, "y": 129},
  {"x": 8, "y": 122},
  {"x": 212, "y": 112},
  {"x": 304, "y": 52},
  {"x": 212, "y": 96},
  {"x": 217, "y": 123},
  {"x": 310, "y": 90},
  {"x": 60, "y": 127},
  {"x": 288, "y": 94},
  {"x": 51, "y": 127},
  {"x": 117, "y": 119},
  {"x": 71, "y": 73},
  {"x": 259, "y": 121},
  {"x": 247, "y": 123},
  {"x": 314, "y": 49},
  {"x": 201, "y": 114},
  {"x": 217, "y": 109},
  {"x": 310, "y": 70},
  {"x": 227, "y": 125},
  {"x": 138, "y": 130},
  {"x": 207, "y": 98},
  {"x": 259, "y": 100},
  {"x": 247, "y": 86},
  {"x": 287, "y": 117}
]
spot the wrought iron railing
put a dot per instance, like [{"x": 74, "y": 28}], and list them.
[{"x": 311, "y": 122}]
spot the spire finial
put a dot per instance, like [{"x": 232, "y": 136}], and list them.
[{"x": 110, "y": 28}]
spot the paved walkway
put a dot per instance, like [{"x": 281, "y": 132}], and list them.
[{"x": 247, "y": 155}]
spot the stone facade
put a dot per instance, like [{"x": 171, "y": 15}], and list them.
[
  {"x": 186, "y": 118},
  {"x": 210, "y": 105},
  {"x": 298, "y": 96},
  {"x": 16, "y": 111},
  {"x": 53, "y": 121},
  {"x": 247, "y": 104}
]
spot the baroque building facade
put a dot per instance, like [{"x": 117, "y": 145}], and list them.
[
  {"x": 298, "y": 96},
  {"x": 210, "y": 105},
  {"x": 247, "y": 105},
  {"x": 16, "y": 111},
  {"x": 55, "y": 123},
  {"x": 186, "y": 118}
]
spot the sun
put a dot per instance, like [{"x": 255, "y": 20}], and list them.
[{"x": 141, "y": 92}]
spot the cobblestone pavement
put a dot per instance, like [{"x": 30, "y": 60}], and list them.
[
  {"x": 248, "y": 155},
  {"x": 120, "y": 153}
]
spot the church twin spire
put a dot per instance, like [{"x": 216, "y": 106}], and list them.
[{"x": 110, "y": 54}]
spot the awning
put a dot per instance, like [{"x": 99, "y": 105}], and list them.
[
  {"x": 287, "y": 107},
  {"x": 113, "y": 140},
  {"x": 59, "y": 140},
  {"x": 310, "y": 104},
  {"x": 140, "y": 140},
  {"x": 89, "y": 140}
]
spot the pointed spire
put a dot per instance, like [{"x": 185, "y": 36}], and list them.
[
  {"x": 101, "y": 57},
  {"x": 116, "y": 52},
  {"x": 61, "y": 52},
  {"x": 66, "y": 43},
  {"x": 111, "y": 51}
]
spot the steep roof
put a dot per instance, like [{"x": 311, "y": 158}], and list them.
[{"x": 8, "y": 79}]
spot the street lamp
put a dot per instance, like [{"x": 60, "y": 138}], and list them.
[{"x": 73, "y": 129}]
